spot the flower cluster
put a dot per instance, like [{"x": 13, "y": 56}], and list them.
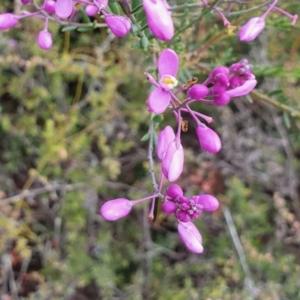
[{"x": 221, "y": 85}]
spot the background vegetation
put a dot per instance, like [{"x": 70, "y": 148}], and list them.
[{"x": 71, "y": 123}]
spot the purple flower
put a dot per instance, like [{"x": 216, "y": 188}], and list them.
[
  {"x": 190, "y": 236},
  {"x": 160, "y": 98},
  {"x": 208, "y": 139},
  {"x": 64, "y": 8},
  {"x": 252, "y": 29},
  {"x": 45, "y": 40},
  {"x": 198, "y": 91},
  {"x": 115, "y": 209},
  {"x": 172, "y": 164},
  {"x": 7, "y": 21},
  {"x": 165, "y": 137},
  {"x": 25, "y": 2},
  {"x": 119, "y": 25},
  {"x": 49, "y": 6},
  {"x": 159, "y": 19}
]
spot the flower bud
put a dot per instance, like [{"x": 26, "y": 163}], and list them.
[
  {"x": 172, "y": 164},
  {"x": 221, "y": 100},
  {"x": 165, "y": 137},
  {"x": 45, "y": 40},
  {"x": 49, "y": 6},
  {"x": 25, "y": 2},
  {"x": 208, "y": 139},
  {"x": 118, "y": 25},
  {"x": 183, "y": 216},
  {"x": 198, "y": 91},
  {"x": 174, "y": 191},
  {"x": 91, "y": 10},
  {"x": 169, "y": 207},
  {"x": 251, "y": 29},
  {"x": 190, "y": 236},
  {"x": 159, "y": 19},
  {"x": 7, "y": 21},
  {"x": 115, "y": 209},
  {"x": 208, "y": 202}
]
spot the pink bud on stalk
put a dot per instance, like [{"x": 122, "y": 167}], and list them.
[
  {"x": 45, "y": 40},
  {"x": 119, "y": 25},
  {"x": 172, "y": 164},
  {"x": 49, "y": 6},
  {"x": 115, "y": 209},
  {"x": 198, "y": 91},
  {"x": 91, "y": 10},
  {"x": 159, "y": 19},
  {"x": 7, "y": 21},
  {"x": 208, "y": 139},
  {"x": 252, "y": 29},
  {"x": 190, "y": 236}
]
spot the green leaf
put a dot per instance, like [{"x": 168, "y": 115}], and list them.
[
  {"x": 154, "y": 139},
  {"x": 144, "y": 42},
  {"x": 135, "y": 44},
  {"x": 114, "y": 7},
  {"x": 286, "y": 120},
  {"x": 84, "y": 16},
  {"x": 85, "y": 29},
  {"x": 145, "y": 137},
  {"x": 69, "y": 28}
]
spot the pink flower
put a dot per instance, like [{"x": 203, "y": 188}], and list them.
[
  {"x": 64, "y": 8},
  {"x": 172, "y": 164},
  {"x": 115, "y": 209},
  {"x": 252, "y": 29},
  {"x": 165, "y": 137},
  {"x": 119, "y": 25},
  {"x": 45, "y": 40},
  {"x": 208, "y": 139},
  {"x": 167, "y": 65},
  {"x": 159, "y": 19},
  {"x": 7, "y": 21},
  {"x": 190, "y": 236}
]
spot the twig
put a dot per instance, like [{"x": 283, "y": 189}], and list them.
[
  {"x": 45, "y": 189},
  {"x": 240, "y": 250}
]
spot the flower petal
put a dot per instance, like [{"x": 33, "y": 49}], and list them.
[
  {"x": 158, "y": 100},
  {"x": 64, "y": 8},
  {"x": 168, "y": 63},
  {"x": 165, "y": 137},
  {"x": 190, "y": 236}
]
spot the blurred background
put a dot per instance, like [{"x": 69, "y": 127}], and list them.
[{"x": 71, "y": 123}]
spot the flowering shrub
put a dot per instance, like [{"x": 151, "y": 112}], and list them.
[{"x": 155, "y": 27}]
